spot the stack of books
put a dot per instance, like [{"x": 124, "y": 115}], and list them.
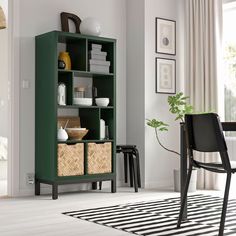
[{"x": 97, "y": 59}]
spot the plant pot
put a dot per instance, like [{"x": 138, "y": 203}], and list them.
[{"x": 192, "y": 183}]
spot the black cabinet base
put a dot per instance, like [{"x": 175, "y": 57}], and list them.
[{"x": 56, "y": 184}]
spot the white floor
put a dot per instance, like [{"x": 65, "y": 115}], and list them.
[{"x": 42, "y": 216}]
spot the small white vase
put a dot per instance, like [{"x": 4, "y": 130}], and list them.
[
  {"x": 90, "y": 26},
  {"x": 62, "y": 135}
]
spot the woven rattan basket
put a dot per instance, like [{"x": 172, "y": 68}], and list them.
[
  {"x": 70, "y": 159},
  {"x": 99, "y": 158}
]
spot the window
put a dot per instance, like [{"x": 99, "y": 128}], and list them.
[{"x": 229, "y": 58}]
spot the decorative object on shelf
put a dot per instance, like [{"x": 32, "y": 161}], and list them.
[
  {"x": 97, "y": 62},
  {"x": 3, "y": 24},
  {"x": 103, "y": 102},
  {"x": 62, "y": 134},
  {"x": 65, "y": 57},
  {"x": 79, "y": 92},
  {"x": 165, "y": 75},
  {"x": 102, "y": 129},
  {"x": 83, "y": 101},
  {"x": 68, "y": 121},
  {"x": 76, "y": 133},
  {"x": 61, "y": 99},
  {"x": 90, "y": 26},
  {"x": 94, "y": 93},
  {"x": 107, "y": 136},
  {"x": 165, "y": 36},
  {"x": 65, "y": 17},
  {"x": 61, "y": 64}
]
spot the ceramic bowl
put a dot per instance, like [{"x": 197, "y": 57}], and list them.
[
  {"x": 83, "y": 101},
  {"x": 76, "y": 133},
  {"x": 103, "y": 102}
]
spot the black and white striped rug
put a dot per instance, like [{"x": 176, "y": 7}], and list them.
[{"x": 160, "y": 217}]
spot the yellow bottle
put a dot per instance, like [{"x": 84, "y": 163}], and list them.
[{"x": 64, "y": 56}]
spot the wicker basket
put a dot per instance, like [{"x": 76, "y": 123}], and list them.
[
  {"x": 99, "y": 158},
  {"x": 70, "y": 159}
]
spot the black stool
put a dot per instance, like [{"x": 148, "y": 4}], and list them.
[{"x": 131, "y": 158}]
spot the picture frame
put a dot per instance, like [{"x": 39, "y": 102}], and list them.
[
  {"x": 165, "y": 36},
  {"x": 165, "y": 75}
]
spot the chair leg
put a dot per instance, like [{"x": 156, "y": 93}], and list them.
[
  {"x": 225, "y": 203},
  {"x": 134, "y": 167},
  {"x": 131, "y": 169},
  {"x": 183, "y": 200},
  {"x": 138, "y": 166},
  {"x": 125, "y": 167}
]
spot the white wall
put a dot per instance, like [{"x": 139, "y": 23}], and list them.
[
  {"x": 4, "y": 75},
  {"x": 37, "y": 17},
  {"x": 159, "y": 164},
  {"x": 135, "y": 77},
  {"x": 142, "y": 100}
]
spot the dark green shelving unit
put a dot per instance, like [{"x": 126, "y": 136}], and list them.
[{"x": 46, "y": 114}]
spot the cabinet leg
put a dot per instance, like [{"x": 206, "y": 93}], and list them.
[
  {"x": 94, "y": 185},
  {"x": 54, "y": 191},
  {"x": 100, "y": 185},
  {"x": 113, "y": 186},
  {"x": 37, "y": 187}
]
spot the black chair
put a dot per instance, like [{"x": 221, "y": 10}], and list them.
[
  {"x": 131, "y": 159},
  {"x": 204, "y": 133}
]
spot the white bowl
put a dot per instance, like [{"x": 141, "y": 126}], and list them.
[
  {"x": 83, "y": 101},
  {"x": 103, "y": 102}
]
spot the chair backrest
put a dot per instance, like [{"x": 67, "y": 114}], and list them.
[{"x": 205, "y": 134}]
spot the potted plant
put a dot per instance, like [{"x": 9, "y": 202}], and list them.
[{"x": 178, "y": 106}]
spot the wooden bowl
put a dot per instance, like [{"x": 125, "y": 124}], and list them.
[{"x": 76, "y": 133}]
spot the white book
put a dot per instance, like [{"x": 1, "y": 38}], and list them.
[
  {"x": 100, "y": 69},
  {"x": 99, "y": 62},
  {"x": 98, "y": 52},
  {"x": 95, "y": 50},
  {"x": 97, "y": 57},
  {"x": 96, "y": 46}
]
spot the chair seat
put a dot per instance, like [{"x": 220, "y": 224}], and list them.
[{"x": 217, "y": 165}]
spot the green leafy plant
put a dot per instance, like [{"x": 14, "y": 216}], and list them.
[
  {"x": 179, "y": 107},
  {"x": 161, "y": 126}
]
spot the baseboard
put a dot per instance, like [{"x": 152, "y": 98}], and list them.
[
  {"x": 47, "y": 189},
  {"x": 158, "y": 185}
]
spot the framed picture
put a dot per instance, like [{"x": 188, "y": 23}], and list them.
[
  {"x": 165, "y": 36},
  {"x": 165, "y": 75}
]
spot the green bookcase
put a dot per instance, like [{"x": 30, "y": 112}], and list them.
[{"x": 47, "y": 109}]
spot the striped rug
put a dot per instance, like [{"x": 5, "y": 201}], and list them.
[{"x": 160, "y": 217}]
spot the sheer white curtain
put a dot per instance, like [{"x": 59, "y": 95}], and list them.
[{"x": 204, "y": 31}]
